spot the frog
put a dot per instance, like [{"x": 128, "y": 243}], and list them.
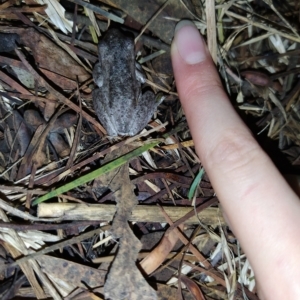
[{"x": 120, "y": 105}]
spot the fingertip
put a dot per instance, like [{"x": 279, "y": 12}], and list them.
[
  {"x": 189, "y": 43},
  {"x": 183, "y": 23}
]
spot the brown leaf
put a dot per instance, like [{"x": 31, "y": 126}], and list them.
[
  {"x": 124, "y": 280},
  {"x": 257, "y": 77},
  {"x": 74, "y": 274},
  {"x": 50, "y": 56},
  {"x": 192, "y": 287},
  {"x": 166, "y": 292},
  {"x": 33, "y": 118},
  {"x": 151, "y": 262},
  {"x": 64, "y": 82},
  {"x": 61, "y": 147}
]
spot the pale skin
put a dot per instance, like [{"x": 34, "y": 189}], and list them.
[{"x": 258, "y": 204}]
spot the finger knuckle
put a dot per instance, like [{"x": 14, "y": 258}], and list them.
[
  {"x": 199, "y": 84},
  {"x": 235, "y": 151}
]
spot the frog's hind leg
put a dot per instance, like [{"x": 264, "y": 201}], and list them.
[
  {"x": 143, "y": 112},
  {"x": 105, "y": 118}
]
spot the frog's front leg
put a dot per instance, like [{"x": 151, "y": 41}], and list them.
[
  {"x": 139, "y": 73},
  {"x": 98, "y": 74}
]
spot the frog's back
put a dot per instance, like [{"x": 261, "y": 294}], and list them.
[{"x": 117, "y": 52}]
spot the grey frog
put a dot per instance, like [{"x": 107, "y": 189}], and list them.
[{"x": 119, "y": 103}]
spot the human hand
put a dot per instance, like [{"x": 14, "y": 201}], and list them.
[{"x": 258, "y": 204}]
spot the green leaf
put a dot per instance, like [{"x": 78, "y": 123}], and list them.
[
  {"x": 195, "y": 183},
  {"x": 91, "y": 176}
]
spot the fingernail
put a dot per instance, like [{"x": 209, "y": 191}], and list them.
[{"x": 189, "y": 42}]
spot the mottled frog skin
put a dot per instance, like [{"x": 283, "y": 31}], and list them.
[{"x": 119, "y": 103}]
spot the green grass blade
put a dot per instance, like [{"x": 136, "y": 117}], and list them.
[
  {"x": 94, "y": 174},
  {"x": 195, "y": 184}
]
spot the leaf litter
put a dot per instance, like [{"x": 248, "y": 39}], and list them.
[{"x": 179, "y": 249}]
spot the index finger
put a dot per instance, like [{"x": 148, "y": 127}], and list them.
[{"x": 248, "y": 185}]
